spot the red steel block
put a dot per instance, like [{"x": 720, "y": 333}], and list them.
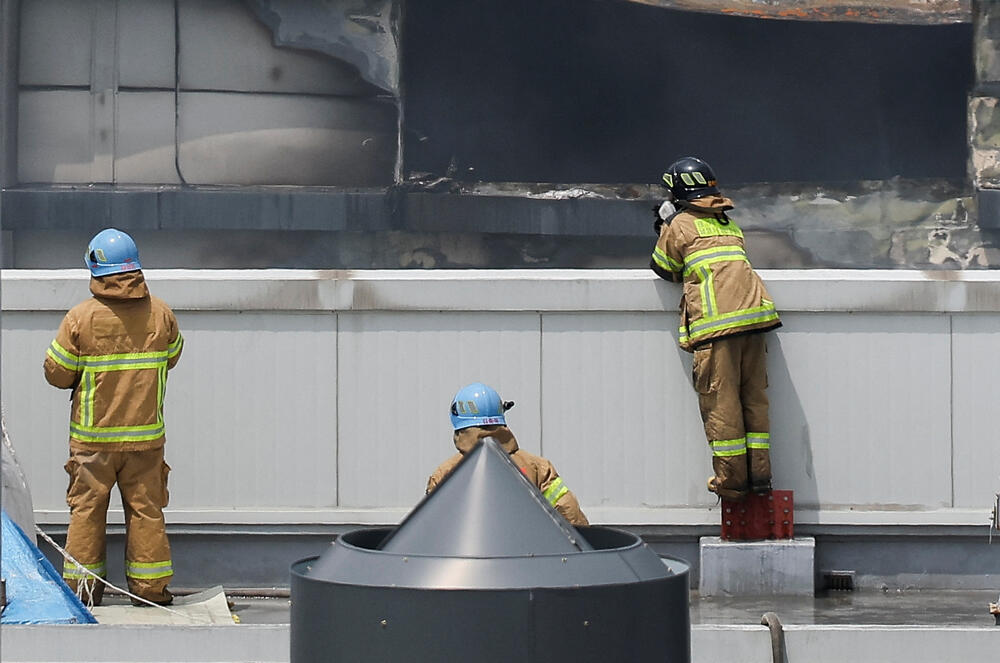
[{"x": 758, "y": 517}]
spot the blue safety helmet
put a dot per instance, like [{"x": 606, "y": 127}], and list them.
[
  {"x": 110, "y": 252},
  {"x": 478, "y": 405}
]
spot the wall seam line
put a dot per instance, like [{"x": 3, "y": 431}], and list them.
[
  {"x": 541, "y": 384},
  {"x": 336, "y": 386},
  {"x": 951, "y": 398}
]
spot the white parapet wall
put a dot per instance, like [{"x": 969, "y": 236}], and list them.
[{"x": 321, "y": 397}]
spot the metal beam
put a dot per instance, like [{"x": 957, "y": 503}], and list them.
[
  {"x": 912, "y": 12},
  {"x": 9, "y": 30}
]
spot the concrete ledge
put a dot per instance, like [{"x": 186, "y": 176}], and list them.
[
  {"x": 836, "y": 644},
  {"x": 757, "y": 568},
  {"x": 569, "y": 290},
  {"x": 171, "y": 208},
  {"x": 709, "y": 643},
  {"x": 913, "y": 644},
  {"x": 144, "y": 644},
  {"x": 207, "y": 207}
]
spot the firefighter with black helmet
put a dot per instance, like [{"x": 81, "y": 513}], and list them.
[{"x": 724, "y": 309}]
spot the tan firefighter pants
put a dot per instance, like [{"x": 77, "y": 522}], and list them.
[
  {"x": 730, "y": 376},
  {"x": 142, "y": 481}
]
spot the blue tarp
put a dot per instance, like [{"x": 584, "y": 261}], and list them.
[{"x": 36, "y": 594}]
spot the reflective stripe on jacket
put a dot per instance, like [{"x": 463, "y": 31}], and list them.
[
  {"x": 113, "y": 351},
  {"x": 722, "y": 295}
]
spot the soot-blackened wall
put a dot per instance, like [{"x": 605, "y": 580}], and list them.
[{"x": 601, "y": 91}]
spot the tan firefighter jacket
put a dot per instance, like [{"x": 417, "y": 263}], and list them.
[
  {"x": 113, "y": 351},
  {"x": 538, "y": 470},
  {"x": 703, "y": 248}
]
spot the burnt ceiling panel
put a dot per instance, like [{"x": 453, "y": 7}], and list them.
[{"x": 362, "y": 33}]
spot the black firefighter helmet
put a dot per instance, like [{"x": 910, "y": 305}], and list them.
[{"x": 690, "y": 178}]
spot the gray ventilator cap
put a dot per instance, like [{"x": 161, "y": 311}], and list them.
[
  {"x": 485, "y": 508},
  {"x": 484, "y": 568}
]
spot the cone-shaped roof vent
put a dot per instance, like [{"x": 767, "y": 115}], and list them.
[
  {"x": 485, "y": 508},
  {"x": 480, "y": 558}
]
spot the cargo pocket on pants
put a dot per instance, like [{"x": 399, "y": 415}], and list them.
[
  {"x": 701, "y": 370},
  {"x": 703, "y": 383},
  {"x": 72, "y": 488},
  {"x": 164, "y": 474},
  {"x": 766, "y": 383}
]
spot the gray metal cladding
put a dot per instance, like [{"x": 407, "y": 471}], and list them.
[{"x": 139, "y": 93}]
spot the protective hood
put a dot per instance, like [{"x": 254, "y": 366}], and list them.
[
  {"x": 467, "y": 438},
  {"x": 124, "y": 285},
  {"x": 706, "y": 205}
]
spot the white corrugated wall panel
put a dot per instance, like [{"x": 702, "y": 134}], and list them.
[
  {"x": 864, "y": 398},
  {"x": 37, "y": 414},
  {"x": 621, "y": 420},
  {"x": 976, "y": 357},
  {"x": 399, "y": 372},
  {"x": 271, "y": 404},
  {"x": 251, "y": 412}
]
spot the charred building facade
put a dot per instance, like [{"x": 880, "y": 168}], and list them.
[{"x": 396, "y": 134}]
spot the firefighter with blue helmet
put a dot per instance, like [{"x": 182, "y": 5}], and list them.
[
  {"x": 477, "y": 412},
  {"x": 477, "y": 404},
  {"x": 112, "y": 251},
  {"x": 113, "y": 351}
]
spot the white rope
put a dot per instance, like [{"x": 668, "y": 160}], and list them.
[{"x": 89, "y": 583}]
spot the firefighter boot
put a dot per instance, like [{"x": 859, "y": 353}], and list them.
[
  {"x": 730, "y": 480},
  {"x": 166, "y": 598},
  {"x": 759, "y": 461}
]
